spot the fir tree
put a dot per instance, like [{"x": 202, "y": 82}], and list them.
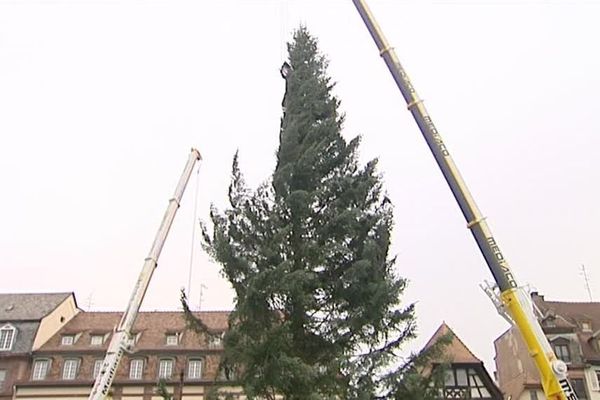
[{"x": 317, "y": 312}]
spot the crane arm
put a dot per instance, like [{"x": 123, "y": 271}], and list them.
[
  {"x": 515, "y": 301},
  {"x": 122, "y": 339}
]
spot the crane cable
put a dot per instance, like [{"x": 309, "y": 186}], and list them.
[{"x": 194, "y": 223}]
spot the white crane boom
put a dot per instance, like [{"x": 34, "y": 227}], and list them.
[{"x": 122, "y": 339}]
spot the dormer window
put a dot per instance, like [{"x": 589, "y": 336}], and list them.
[
  {"x": 172, "y": 339},
  {"x": 586, "y": 326},
  {"x": 67, "y": 340},
  {"x": 136, "y": 336},
  {"x": 216, "y": 340},
  {"x": 561, "y": 349},
  {"x": 7, "y": 337},
  {"x": 96, "y": 340}
]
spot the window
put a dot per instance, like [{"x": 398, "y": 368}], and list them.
[
  {"x": 579, "y": 387},
  {"x": 7, "y": 335},
  {"x": 136, "y": 368},
  {"x": 562, "y": 352},
  {"x": 461, "y": 383},
  {"x": 461, "y": 377},
  {"x": 67, "y": 340},
  {"x": 449, "y": 378},
  {"x": 195, "y": 369},
  {"x": 478, "y": 389},
  {"x": 172, "y": 339},
  {"x": 533, "y": 395},
  {"x": 215, "y": 340},
  {"x": 2, "y": 377},
  {"x": 586, "y": 326},
  {"x": 136, "y": 337},
  {"x": 97, "y": 340},
  {"x": 40, "y": 369},
  {"x": 227, "y": 374},
  {"x": 165, "y": 368},
  {"x": 97, "y": 367},
  {"x": 70, "y": 368}
]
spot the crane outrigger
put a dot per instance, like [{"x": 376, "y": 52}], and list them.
[{"x": 511, "y": 300}]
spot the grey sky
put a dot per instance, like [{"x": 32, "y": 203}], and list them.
[{"x": 101, "y": 101}]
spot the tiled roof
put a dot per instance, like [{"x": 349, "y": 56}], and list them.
[
  {"x": 456, "y": 350},
  {"x": 574, "y": 314},
  {"x": 29, "y": 306},
  {"x": 153, "y": 327}
]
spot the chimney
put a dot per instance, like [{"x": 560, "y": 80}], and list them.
[{"x": 536, "y": 295}]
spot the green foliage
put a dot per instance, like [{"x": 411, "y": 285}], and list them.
[
  {"x": 422, "y": 377},
  {"x": 162, "y": 391},
  {"x": 214, "y": 394},
  {"x": 317, "y": 313},
  {"x": 193, "y": 323}
]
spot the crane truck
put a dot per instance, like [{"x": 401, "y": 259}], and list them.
[
  {"x": 511, "y": 300},
  {"x": 122, "y": 340}
]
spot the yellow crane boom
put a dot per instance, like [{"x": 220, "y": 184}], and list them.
[{"x": 510, "y": 299}]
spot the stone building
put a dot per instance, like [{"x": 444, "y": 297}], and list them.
[
  {"x": 27, "y": 321},
  {"x": 573, "y": 330}
]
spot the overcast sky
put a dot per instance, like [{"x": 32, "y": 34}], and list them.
[{"x": 101, "y": 101}]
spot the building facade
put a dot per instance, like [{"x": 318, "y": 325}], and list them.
[
  {"x": 27, "y": 322},
  {"x": 573, "y": 330},
  {"x": 165, "y": 349},
  {"x": 465, "y": 376}
]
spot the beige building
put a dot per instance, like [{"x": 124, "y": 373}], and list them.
[
  {"x": 466, "y": 376},
  {"x": 27, "y": 321},
  {"x": 165, "y": 349},
  {"x": 573, "y": 330}
]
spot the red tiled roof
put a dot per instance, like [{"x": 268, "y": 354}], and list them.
[
  {"x": 153, "y": 327},
  {"x": 574, "y": 314},
  {"x": 456, "y": 350}
]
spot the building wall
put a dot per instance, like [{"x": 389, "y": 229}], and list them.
[
  {"x": 150, "y": 331},
  {"x": 515, "y": 368},
  {"x": 35, "y": 393},
  {"x": 16, "y": 361},
  {"x": 139, "y": 392},
  {"x": 593, "y": 386},
  {"x": 15, "y": 368},
  {"x": 532, "y": 394},
  {"x": 52, "y": 323},
  {"x": 517, "y": 374}
]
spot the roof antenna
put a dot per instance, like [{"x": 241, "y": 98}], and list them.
[
  {"x": 200, "y": 298},
  {"x": 90, "y": 301},
  {"x": 587, "y": 282}
]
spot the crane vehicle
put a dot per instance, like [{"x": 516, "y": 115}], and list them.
[
  {"x": 511, "y": 301},
  {"x": 122, "y": 339}
]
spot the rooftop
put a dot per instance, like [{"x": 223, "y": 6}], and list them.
[
  {"x": 29, "y": 306},
  {"x": 456, "y": 350}
]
